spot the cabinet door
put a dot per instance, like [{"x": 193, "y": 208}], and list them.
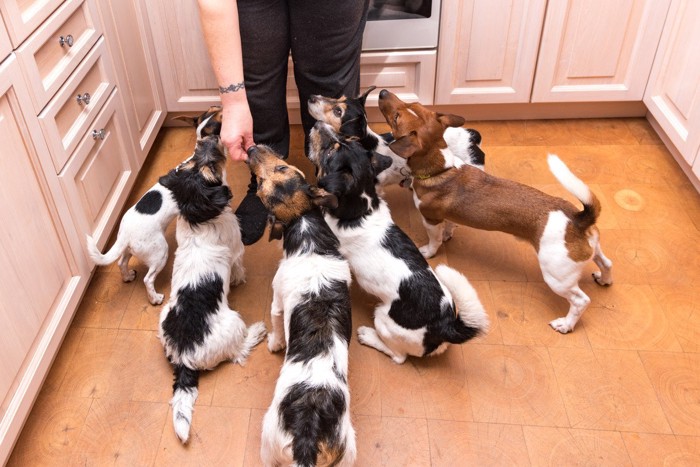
[
  {"x": 5, "y": 44},
  {"x": 23, "y": 16},
  {"x": 188, "y": 80},
  {"x": 673, "y": 93},
  {"x": 127, "y": 29},
  {"x": 487, "y": 50},
  {"x": 38, "y": 277},
  {"x": 598, "y": 50},
  {"x": 99, "y": 175}
]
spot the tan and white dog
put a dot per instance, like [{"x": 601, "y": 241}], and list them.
[{"x": 564, "y": 237}]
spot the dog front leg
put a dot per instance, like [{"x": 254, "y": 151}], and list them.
[
  {"x": 435, "y": 230},
  {"x": 368, "y": 336},
  {"x": 276, "y": 339}
]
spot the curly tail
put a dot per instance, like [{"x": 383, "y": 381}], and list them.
[
  {"x": 471, "y": 319},
  {"x": 184, "y": 396},
  {"x": 108, "y": 258},
  {"x": 591, "y": 206}
]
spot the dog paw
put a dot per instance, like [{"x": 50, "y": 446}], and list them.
[
  {"x": 274, "y": 343},
  {"x": 365, "y": 335},
  {"x": 426, "y": 251},
  {"x": 130, "y": 276},
  {"x": 398, "y": 359},
  {"x": 598, "y": 278},
  {"x": 156, "y": 299},
  {"x": 561, "y": 325}
]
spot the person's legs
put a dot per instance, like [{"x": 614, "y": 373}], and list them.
[
  {"x": 264, "y": 27},
  {"x": 326, "y": 42}
]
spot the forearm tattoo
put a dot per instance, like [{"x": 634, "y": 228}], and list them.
[{"x": 231, "y": 88}]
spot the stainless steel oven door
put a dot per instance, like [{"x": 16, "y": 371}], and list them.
[{"x": 402, "y": 24}]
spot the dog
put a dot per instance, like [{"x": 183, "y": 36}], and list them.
[
  {"x": 142, "y": 227},
  {"x": 197, "y": 328},
  {"x": 564, "y": 237},
  {"x": 308, "y": 422},
  {"x": 421, "y": 311},
  {"x": 348, "y": 118}
]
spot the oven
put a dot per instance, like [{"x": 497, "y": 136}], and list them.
[{"x": 402, "y": 24}]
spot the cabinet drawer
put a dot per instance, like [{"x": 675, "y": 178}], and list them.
[
  {"x": 410, "y": 75},
  {"x": 97, "y": 178},
  {"x": 47, "y": 58},
  {"x": 23, "y": 16},
  {"x": 66, "y": 118}
]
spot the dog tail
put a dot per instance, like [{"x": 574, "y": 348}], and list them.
[
  {"x": 471, "y": 319},
  {"x": 591, "y": 206},
  {"x": 108, "y": 258},
  {"x": 184, "y": 396}
]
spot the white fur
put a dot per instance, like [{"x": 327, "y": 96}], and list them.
[
  {"x": 297, "y": 276},
  {"x": 380, "y": 273},
  {"x": 568, "y": 180},
  {"x": 213, "y": 247},
  {"x": 141, "y": 235}
]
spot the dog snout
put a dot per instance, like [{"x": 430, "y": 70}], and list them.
[{"x": 383, "y": 94}]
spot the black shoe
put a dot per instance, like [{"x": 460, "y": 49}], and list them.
[{"x": 252, "y": 215}]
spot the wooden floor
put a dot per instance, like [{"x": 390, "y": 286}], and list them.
[{"x": 623, "y": 389}]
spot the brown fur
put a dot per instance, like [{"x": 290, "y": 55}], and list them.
[{"x": 466, "y": 195}]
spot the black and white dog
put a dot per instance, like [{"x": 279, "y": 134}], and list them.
[
  {"x": 198, "y": 330},
  {"x": 142, "y": 227},
  {"x": 421, "y": 310},
  {"x": 348, "y": 118},
  {"x": 308, "y": 422}
]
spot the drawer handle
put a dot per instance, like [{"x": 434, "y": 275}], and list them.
[
  {"x": 84, "y": 99},
  {"x": 101, "y": 133},
  {"x": 67, "y": 40}
]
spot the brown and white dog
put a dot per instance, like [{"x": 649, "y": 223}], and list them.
[
  {"x": 207, "y": 123},
  {"x": 564, "y": 237}
]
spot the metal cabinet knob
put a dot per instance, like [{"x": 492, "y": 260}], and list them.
[
  {"x": 101, "y": 133},
  {"x": 83, "y": 99},
  {"x": 66, "y": 40}
]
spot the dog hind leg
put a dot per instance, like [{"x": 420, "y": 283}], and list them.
[
  {"x": 369, "y": 337},
  {"x": 255, "y": 333},
  {"x": 604, "y": 276},
  {"x": 276, "y": 338},
  {"x": 237, "y": 271},
  {"x": 127, "y": 274},
  {"x": 578, "y": 302}
]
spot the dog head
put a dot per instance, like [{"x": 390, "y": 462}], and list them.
[
  {"x": 416, "y": 129},
  {"x": 207, "y": 124},
  {"x": 347, "y": 169},
  {"x": 283, "y": 189},
  {"x": 345, "y": 115},
  {"x": 198, "y": 184}
]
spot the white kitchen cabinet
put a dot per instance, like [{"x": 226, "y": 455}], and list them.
[
  {"x": 23, "y": 16},
  {"x": 487, "y": 50},
  {"x": 5, "y": 44},
  {"x": 40, "y": 280},
  {"x": 189, "y": 84},
  {"x": 128, "y": 35},
  {"x": 672, "y": 95},
  {"x": 597, "y": 50}
]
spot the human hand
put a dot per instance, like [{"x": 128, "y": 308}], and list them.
[{"x": 237, "y": 129}]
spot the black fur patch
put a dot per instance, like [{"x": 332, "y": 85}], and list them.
[
  {"x": 185, "y": 378},
  {"x": 186, "y": 325},
  {"x": 312, "y": 235},
  {"x": 150, "y": 202},
  {"x": 312, "y": 415},
  {"x": 197, "y": 199},
  {"x": 317, "y": 319}
]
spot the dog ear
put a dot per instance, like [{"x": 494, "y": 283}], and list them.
[
  {"x": 276, "y": 228},
  {"x": 363, "y": 97},
  {"x": 406, "y": 146},
  {"x": 450, "y": 120},
  {"x": 380, "y": 162},
  {"x": 321, "y": 197},
  {"x": 197, "y": 201},
  {"x": 192, "y": 121}
]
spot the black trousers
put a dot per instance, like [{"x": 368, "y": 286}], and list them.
[{"x": 325, "y": 40}]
